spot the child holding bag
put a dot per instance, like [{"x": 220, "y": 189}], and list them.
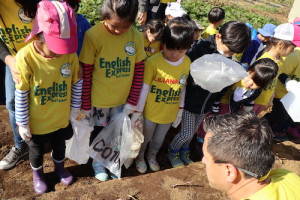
[
  {"x": 113, "y": 64},
  {"x": 286, "y": 38},
  {"x": 49, "y": 86},
  {"x": 162, "y": 96}
]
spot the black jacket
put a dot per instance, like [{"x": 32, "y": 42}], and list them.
[{"x": 197, "y": 99}]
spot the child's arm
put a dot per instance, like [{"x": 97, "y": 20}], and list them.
[
  {"x": 137, "y": 115},
  {"x": 237, "y": 103},
  {"x": 76, "y": 94},
  {"x": 283, "y": 78},
  {"x": 86, "y": 89},
  {"x": 22, "y": 113},
  {"x": 136, "y": 88},
  {"x": 180, "y": 110}
]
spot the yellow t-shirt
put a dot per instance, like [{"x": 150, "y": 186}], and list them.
[
  {"x": 150, "y": 48},
  {"x": 49, "y": 82},
  {"x": 114, "y": 58},
  {"x": 291, "y": 67},
  {"x": 167, "y": 1},
  {"x": 226, "y": 97},
  {"x": 265, "y": 97},
  {"x": 14, "y": 25},
  {"x": 166, "y": 84},
  {"x": 209, "y": 31},
  {"x": 284, "y": 185}
]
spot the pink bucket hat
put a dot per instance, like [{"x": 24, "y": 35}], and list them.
[
  {"x": 57, "y": 22},
  {"x": 288, "y": 31}
]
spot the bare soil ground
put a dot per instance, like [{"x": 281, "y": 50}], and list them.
[{"x": 182, "y": 183}]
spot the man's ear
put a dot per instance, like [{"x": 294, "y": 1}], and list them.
[{"x": 232, "y": 174}]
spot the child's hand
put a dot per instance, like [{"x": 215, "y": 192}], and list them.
[
  {"x": 137, "y": 120},
  {"x": 292, "y": 85},
  {"x": 129, "y": 109},
  {"x": 87, "y": 113},
  {"x": 24, "y": 132},
  {"x": 11, "y": 61},
  {"x": 178, "y": 118}
]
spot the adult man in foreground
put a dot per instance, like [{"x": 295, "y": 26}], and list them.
[{"x": 238, "y": 157}]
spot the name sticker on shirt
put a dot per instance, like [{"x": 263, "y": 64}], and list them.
[
  {"x": 66, "y": 70},
  {"x": 182, "y": 80},
  {"x": 130, "y": 48}
]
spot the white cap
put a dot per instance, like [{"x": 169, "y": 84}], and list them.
[
  {"x": 287, "y": 31},
  {"x": 174, "y": 9}
]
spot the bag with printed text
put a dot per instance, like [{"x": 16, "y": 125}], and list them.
[{"x": 117, "y": 144}]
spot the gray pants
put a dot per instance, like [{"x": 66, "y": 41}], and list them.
[
  {"x": 189, "y": 125},
  {"x": 155, "y": 134}
]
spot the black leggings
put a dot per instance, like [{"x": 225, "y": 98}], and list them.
[{"x": 57, "y": 142}]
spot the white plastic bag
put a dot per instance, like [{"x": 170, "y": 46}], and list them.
[
  {"x": 213, "y": 72},
  {"x": 116, "y": 144},
  {"x": 291, "y": 101},
  {"x": 136, "y": 140},
  {"x": 77, "y": 147}
]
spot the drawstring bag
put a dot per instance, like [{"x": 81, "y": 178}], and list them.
[{"x": 213, "y": 72}]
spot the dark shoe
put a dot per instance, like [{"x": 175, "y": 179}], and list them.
[
  {"x": 39, "y": 182},
  {"x": 65, "y": 177},
  {"x": 174, "y": 157},
  {"x": 280, "y": 137},
  {"x": 12, "y": 158}
]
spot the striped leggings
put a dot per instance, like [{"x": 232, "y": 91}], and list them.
[{"x": 189, "y": 125}]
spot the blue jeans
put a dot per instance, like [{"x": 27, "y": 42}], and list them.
[{"x": 10, "y": 105}]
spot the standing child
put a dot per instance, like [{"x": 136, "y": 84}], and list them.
[
  {"x": 215, "y": 16},
  {"x": 234, "y": 37},
  {"x": 279, "y": 119},
  {"x": 257, "y": 45},
  {"x": 281, "y": 45},
  {"x": 49, "y": 74},
  {"x": 162, "y": 96},
  {"x": 152, "y": 32},
  {"x": 113, "y": 64},
  {"x": 82, "y": 24}
]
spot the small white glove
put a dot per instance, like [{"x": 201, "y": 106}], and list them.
[
  {"x": 178, "y": 118},
  {"x": 24, "y": 132},
  {"x": 137, "y": 120},
  {"x": 87, "y": 113},
  {"x": 74, "y": 113},
  {"x": 292, "y": 86},
  {"x": 238, "y": 94},
  {"x": 129, "y": 109}
]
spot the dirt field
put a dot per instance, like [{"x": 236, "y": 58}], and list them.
[{"x": 177, "y": 184}]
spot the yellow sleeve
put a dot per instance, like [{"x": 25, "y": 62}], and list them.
[
  {"x": 140, "y": 51},
  {"x": 75, "y": 65},
  {"x": 149, "y": 72},
  {"x": 89, "y": 49},
  {"x": 24, "y": 68},
  {"x": 290, "y": 64}
]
